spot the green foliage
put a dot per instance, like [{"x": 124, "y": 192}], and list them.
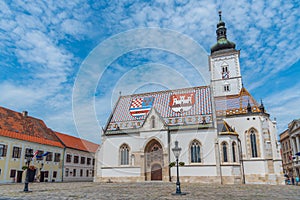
[
  {"x": 172, "y": 164},
  {"x": 24, "y": 167}
]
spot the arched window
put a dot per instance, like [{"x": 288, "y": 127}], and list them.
[
  {"x": 195, "y": 152},
  {"x": 234, "y": 152},
  {"x": 253, "y": 144},
  {"x": 152, "y": 122},
  {"x": 224, "y": 149},
  {"x": 124, "y": 153}
]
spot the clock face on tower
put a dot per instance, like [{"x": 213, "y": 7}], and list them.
[{"x": 225, "y": 75}]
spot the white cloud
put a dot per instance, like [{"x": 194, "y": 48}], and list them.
[{"x": 46, "y": 40}]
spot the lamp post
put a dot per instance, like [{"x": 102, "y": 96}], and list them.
[
  {"x": 28, "y": 157},
  {"x": 177, "y": 150}
]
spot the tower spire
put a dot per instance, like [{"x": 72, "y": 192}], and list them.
[
  {"x": 220, "y": 15},
  {"x": 222, "y": 42}
]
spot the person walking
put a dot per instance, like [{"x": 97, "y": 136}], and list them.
[{"x": 293, "y": 180}]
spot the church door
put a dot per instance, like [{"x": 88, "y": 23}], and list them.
[
  {"x": 156, "y": 172},
  {"x": 154, "y": 160}
]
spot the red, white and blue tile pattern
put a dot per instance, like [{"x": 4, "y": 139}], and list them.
[{"x": 125, "y": 115}]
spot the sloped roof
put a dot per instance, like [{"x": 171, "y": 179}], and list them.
[
  {"x": 224, "y": 128},
  {"x": 77, "y": 143},
  {"x": 24, "y": 137},
  {"x": 170, "y": 105},
  {"x": 235, "y": 104},
  {"x": 13, "y": 124}
]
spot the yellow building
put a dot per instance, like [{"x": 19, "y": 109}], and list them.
[{"x": 20, "y": 134}]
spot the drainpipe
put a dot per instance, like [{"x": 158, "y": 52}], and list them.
[
  {"x": 169, "y": 140},
  {"x": 219, "y": 158},
  {"x": 241, "y": 160},
  {"x": 63, "y": 165}
]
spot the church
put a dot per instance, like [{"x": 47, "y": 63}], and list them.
[{"x": 226, "y": 136}]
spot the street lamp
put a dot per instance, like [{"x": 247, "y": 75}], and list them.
[
  {"x": 177, "y": 150},
  {"x": 28, "y": 157}
]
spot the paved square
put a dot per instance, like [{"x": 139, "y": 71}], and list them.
[{"x": 147, "y": 190}]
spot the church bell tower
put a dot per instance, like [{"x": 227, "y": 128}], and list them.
[{"x": 224, "y": 64}]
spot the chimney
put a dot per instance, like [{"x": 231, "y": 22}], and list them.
[{"x": 25, "y": 113}]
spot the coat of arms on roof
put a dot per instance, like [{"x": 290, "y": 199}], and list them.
[
  {"x": 141, "y": 106},
  {"x": 182, "y": 102}
]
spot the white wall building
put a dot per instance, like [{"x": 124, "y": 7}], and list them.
[
  {"x": 225, "y": 135},
  {"x": 79, "y": 158}
]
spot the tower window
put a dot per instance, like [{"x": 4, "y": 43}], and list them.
[
  {"x": 225, "y": 72},
  {"x": 226, "y": 88}
]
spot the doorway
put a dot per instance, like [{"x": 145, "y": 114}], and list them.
[
  {"x": 19, "y": 176},
  {"x": 154, "y": 161},
  {"x": 156, "y": 172}
]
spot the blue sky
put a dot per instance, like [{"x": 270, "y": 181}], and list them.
[{"x": 45, "y": 43}]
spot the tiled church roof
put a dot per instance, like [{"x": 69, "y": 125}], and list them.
[
  {"x": 197, "y": 111},
  {"x": 235, "y": 104},
  {"x": 16, "y": 125}
]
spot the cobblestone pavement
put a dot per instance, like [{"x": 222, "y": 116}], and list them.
[{"x": 146, "y": 190}]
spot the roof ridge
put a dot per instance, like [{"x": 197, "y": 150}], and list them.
[{"x": 162, "y": 91}]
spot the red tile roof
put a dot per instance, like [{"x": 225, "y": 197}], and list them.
[
  {"x": 24, "y": 137},
  {"x": 14, "y": 125},
  {"x": 77, "y": 143}
]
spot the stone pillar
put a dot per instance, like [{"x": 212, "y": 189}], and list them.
[
  {"x": 297, "y": 138},
  {"x": 293, "y": 145}
]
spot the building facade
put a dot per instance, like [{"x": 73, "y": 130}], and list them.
[
  {"x": 225, "y": 135},
  {"x": 286, "y": 153},
  {"x": 21, "y": 134},
  {"x": 294, "y": 133},
  {"x": 79, "y": 158}
]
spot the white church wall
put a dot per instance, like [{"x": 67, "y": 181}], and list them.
[
  {"x": 206, "y": 137},
  {"x": 121, "y": 172},
  {"x": 254, "y": 167},
  {"x": 195, "y": 171}
]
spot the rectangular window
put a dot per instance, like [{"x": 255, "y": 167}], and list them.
[
  {"x": 74, "y": 172},
  {"x": 49, "y": 156},
  {"x": 39, "y": 155},
  {"x": 88, "y": 161},
  {"x": 81, "y": 172},
  {"x": 12, "y": 173},
  {"x": 16, "y": 152},
  {"x": 69, "y": 158},
  {"x": 57, "y": 157},
  {"x": 54, "y": 174},
  {"x": 76, "y": 159},
  {"x": 46, "y": 174},
  {"x": 67, "y": 172},
  {"x": 3, "y": 149},
  {"x": 82, "y": 160},
  {"x": 28, "y": 151},
  {"x": 93, "y": 161},
  {"x": 226, "y": 88},
  {"x": 93, "y": 173},
  {"x": 87, "y": 173}
]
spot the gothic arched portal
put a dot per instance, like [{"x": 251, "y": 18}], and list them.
[{"x": 153, "y": 160}]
